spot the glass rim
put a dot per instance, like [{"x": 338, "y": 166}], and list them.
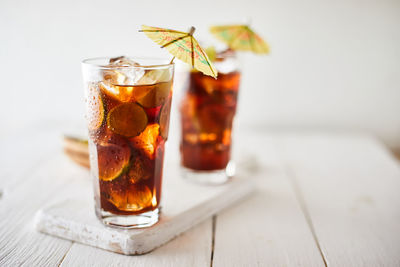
[{"x": 91, "y": 62}]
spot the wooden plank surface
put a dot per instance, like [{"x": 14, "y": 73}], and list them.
[
  {"x": 269, "y": 229},
  {"x": 350, "y": 189},
  {"x": 20, "y": 244},
  {"x": 336, "y": 192},
  {"x": 21, "y": 155}
]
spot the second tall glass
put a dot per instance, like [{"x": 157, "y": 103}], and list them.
[{"x": 207, "y": 112}]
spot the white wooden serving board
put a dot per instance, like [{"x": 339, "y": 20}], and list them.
[{"x": 184, "y": 205}]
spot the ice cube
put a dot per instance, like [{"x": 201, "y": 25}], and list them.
[
  {"x": 127, "y": 74},
  {"x": 139, "y": 169},
  {"x": 155, "y": 76},
  {"x": 123, "y": 61}
]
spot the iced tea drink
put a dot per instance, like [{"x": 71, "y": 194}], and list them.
[
  {"x": 128, "y": 107},
  {"x": 207, "y": 112}
]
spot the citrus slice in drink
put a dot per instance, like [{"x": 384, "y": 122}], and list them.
[
  {"x": 151, "y": 96},
  {"x": 164, "y": 119},
  {"x": 121, "y": 93},
  {"x": 112, "y": 160},
  {"x": 128, "y": 119},
  {"x": 95, "y": 111},
  {"x": 147, "y": 140},
  {"x": 141, "y": 91},
  {"x": 139, "y": 197}
]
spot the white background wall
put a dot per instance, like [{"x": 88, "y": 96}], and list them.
[{"x": 333, "y": 64}]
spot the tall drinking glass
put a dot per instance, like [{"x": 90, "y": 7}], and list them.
[
  {"x": 128, "y": 107},
  {"x": 207, "y": 112}
]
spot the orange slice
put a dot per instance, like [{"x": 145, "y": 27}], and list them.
[
  {"x": 139, "y": 197},
  {"x": 128, "y": 198},
  {"x": 147, "y": 140},
  {"x": 112, "y": 161},
  {"x": 128, "y": 119},
  {"x": 95, "y": 108},
  {"x": 164, "y": 119}
]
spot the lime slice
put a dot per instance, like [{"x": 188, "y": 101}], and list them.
[
  {"x": 164, "y": 119},
  {"x": 154, "y": 95},
  {"x": 95, "y": 108},
  {"x": 112, "y": 161},
  {"x": 128, "y": 119}
]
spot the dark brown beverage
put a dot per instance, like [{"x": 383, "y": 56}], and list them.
[
  {"x": 207, "y": 112},
  {"x": 128, "y": 128}
]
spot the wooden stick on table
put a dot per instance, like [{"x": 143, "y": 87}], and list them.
[{"x": 77, "y": 150}]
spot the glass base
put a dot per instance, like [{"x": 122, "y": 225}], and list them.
[
  {"x": 215, "y": 177},
  {"x": 143, "y": 220}
]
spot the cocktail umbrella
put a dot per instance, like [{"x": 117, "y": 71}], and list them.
[
  {"x": 240, "y": 37},
  {"x": 183, "y": 46}
]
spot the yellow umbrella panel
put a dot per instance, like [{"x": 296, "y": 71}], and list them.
[
  {"x": 240, "y": 37},
  {"x": 183, "y": 46}
]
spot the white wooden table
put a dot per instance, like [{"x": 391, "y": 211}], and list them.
[{"x": 322, "y": 200}]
